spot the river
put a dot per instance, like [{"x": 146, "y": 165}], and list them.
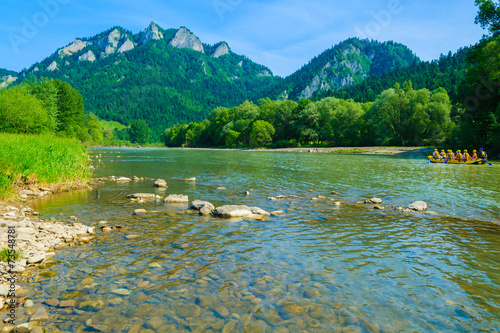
[{"x": 317, "y": 268}]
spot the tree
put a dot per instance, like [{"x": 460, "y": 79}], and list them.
[
  {"x": 70, "y": 107},
  {"x": 489, "y": 15},
  {"x": 139, "y": 132},
  {"x": 404, "y": 116},
  {"x": 480, "y": 97},
  {"x": 261, "y": 134},
  {"x": 21, "y": 112}
]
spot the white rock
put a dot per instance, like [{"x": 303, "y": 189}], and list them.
[
  {"x": 36, "y": 259},
  {"x": 233, "y": 211},
  {"x": 123, "y": 179},
  {"x": 73, "y": 48},
  {"x": 151, "y": 33},
  {"x": 87, "y": 56},
  {"x": 221, "y": 50},
  {"x": 184, "y": 39},
  {"x": 161, "y": 183},
  {"x": 177, "y": 198},
  {"x": 52, "y": 66},
  {"x": 259, "y": 211}
]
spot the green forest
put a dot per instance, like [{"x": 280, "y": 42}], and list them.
[{"x": 399, "y": 116}]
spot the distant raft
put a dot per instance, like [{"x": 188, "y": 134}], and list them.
[{"x": 448, "y": 161}]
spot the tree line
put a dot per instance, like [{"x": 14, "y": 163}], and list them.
[
  {"x": 399, "y": 116},
  {"x": 49, "y": 106}
]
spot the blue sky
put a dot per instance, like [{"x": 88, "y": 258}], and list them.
[{"x": 281, "y": 34}]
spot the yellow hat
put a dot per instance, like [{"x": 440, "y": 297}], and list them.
[
  {"x": 465, "y": 150},
  {"x": 474, "y": 151}
]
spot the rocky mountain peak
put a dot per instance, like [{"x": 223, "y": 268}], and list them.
[
  {"x": 151, "y": 33},
  {"x": 184, "y": 39},
  {"x": 72, "y": 48},
  {"x": 221, "y": 50},
  {"x": 87, "y": 56}
]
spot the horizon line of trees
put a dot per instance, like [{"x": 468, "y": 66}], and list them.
[{"x": 399, "y": 116}]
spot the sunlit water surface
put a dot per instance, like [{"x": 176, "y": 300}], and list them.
[{"x": 317, "y": 268}]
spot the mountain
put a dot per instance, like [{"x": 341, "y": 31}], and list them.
[
  {"x": 345, "y": 64},
  {"x": 6, "y": 77},
  {"x": 163, "y": 76},
  {"x": 446, "y": 72}
]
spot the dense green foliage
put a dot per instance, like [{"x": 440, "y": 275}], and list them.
[
  {"x": 446, "y": 72},
  {"x": 5, "y": 72},
  {"x": 478, "y": 101},
  {"x": 41, "y": 159},
  {"x": 47, "y": 107},
  {"x": 139, "y": 132},
  {"x": 399, "y": 116},
  {"x": 347, "y": 63},
  {"x": 158, "y": 83}
]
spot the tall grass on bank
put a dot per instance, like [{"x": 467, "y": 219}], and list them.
[{"x": 42, "y": 160}]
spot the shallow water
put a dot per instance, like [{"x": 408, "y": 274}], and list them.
[{"x": 318, "y": 268}]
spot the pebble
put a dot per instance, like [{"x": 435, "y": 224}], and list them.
[
  {"x": 28, "y": 304},
  {"x": 39, "y": 315},
  {"x": 140, "y": 212},
  {"x": 121, "y": 292}
]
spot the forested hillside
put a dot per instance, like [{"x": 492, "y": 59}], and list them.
[
  {"x": 161, "y": 76},
  {"x": 5, "y": 72},
  {"x": 446, "y": 72},
  {"x": 347, "y": 63}
]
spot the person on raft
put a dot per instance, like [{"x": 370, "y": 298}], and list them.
[
  {"x": 435, "y": 154},
  {"x": 483, "y": 155},
  {"x": 458, "y": 155},
  {"x": 466, "y": 156},
  {"x": 443, "y": 154}
]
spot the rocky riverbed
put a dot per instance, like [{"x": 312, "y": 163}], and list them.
[{"x": 36, "y": 240}]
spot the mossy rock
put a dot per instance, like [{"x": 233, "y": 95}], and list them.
[
  {"x": 47, "y": 274},
  {"x": 50, "y": 264},
  {"x": 72, "y": 294}
]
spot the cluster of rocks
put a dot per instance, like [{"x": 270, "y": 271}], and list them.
[
  {"x": 35, "y": 240},
  {"x": 417, "y": 206}
]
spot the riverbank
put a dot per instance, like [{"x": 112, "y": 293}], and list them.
[
  {"x": 27, "y": 246},
  {"x": 41, "y": 163}
]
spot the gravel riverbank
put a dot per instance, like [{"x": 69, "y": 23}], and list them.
[{"x": 36, "y": 240}]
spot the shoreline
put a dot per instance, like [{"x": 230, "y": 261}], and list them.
[
  {"x": 36, "y": 240},
  {"x": 372, "y": 150}
]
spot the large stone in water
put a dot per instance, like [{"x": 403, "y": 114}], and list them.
[
  {"x": 161, "y": 183},
  {"x": 230, "y": 211},
  {"x": 204, "y": 207},
  {"x": 177, "y": 198},
  {"x": 418, "y": 206}
]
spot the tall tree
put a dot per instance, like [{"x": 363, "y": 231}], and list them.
[{"x": 139, "y": 132}]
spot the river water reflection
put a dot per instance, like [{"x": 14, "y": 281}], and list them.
[{"x": 317, "y": 268}]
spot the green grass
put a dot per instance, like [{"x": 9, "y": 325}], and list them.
[
  {"x": 7, "y": 255},
  {"x": 111, "y": 124},
  {"x": 44, "y": 160}
]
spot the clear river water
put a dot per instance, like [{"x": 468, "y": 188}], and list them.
[{"x": 317, "y": 268}]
